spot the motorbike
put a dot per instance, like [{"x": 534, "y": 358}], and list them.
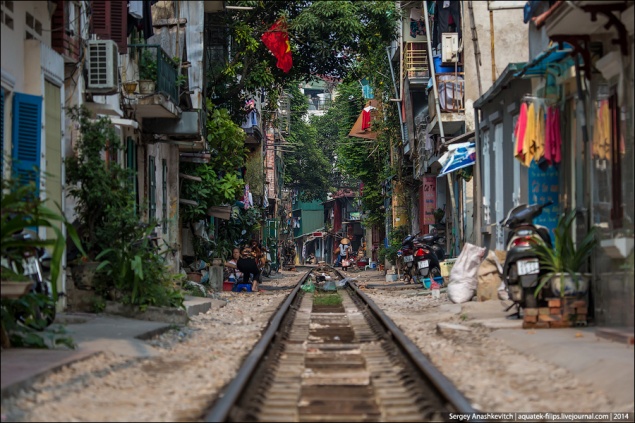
[
  {"x": 35, "y": 265},
  {"x": 521, "y": 271},
  {"x": 405, "y": 258},
  {"x": 426, "y": 260},
  {"x": 435, "y": 242}
]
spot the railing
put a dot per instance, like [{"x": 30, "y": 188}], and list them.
[
  {"x": 156, "y": 65},
  {"x": 451, "y": 88},
  {"x": 416, "y": 60}
]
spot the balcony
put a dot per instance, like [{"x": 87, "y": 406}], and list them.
[
  {"x": 157, "y": 92},
  {"x": 251, "y": 126},
  {"x": 451, "y": 87},
  {"x": 416, "y": 65}
]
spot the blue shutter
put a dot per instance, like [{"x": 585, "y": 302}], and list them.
[{"x": 27, "y": 133}]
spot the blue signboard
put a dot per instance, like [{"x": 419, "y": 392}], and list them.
[{"x": 544, "y": 186}]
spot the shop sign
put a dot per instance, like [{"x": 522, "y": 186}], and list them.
[
  {"x": 544, "y": 186},
  {"x": 429, "y": 199}
]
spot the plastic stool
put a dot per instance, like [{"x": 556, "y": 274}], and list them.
[
  {"x": 371, "y": 265},
  {"x": 240, "y": 286}
]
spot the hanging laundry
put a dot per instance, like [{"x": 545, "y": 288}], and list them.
[
  {"x": 366, "y": 117},
  {"x": 553, "y": 139},
  {"x": 539, "y": 142},
  {"x": 135, "y": 8},
  {"x": 247, "y": 198},
  {"x": 602, "y": 131},
  {"x": 519, "y": 133}
]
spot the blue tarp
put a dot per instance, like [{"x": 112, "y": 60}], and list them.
[{"x": 463, "y": 156}]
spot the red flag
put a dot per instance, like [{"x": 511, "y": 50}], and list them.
[{"x": 276, "y": 39}]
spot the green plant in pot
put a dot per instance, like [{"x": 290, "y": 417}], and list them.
[
  {"x": 148, "y": 71},
  {"x": 563, "y": 263}
]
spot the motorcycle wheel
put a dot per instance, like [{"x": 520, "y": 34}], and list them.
[
  {"x": 266, "y": 271},
  {"x": 434, "y": 272}
]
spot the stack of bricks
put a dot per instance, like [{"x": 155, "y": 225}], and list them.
[{"x": 559, "y": 313}]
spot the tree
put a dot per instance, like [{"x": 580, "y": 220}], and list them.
[
  {"x": 325, "y": 38},
  {"x": 306, "y": 168}
]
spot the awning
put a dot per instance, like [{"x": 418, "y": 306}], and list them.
[
  {"x": 457, "y": 157},
  {"x": 538, "y": 66}
]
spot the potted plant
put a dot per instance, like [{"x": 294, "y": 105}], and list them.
[
  {"x": 438, "y": 215},
  {"x": 562, "y": 263},
  {"x": 148, "y": 72},
  {"x": 105, "y": 208}
]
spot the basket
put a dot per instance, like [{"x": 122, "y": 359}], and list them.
[{"x": 446, "y": 267}]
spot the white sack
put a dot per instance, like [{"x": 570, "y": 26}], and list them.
[{"x": 463, "y": 281}]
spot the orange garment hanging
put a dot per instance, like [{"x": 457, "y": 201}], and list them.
[
  {"x": 530, "y": 137},
  {"x": 602, "y": 131}
]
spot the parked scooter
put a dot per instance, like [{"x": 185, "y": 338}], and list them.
[
  {"x": 35, "y": 265},
  {"x": 405, "y": 258},
  {"x": 426, "y": 260},
  {"x": 435, "y": 242},
  {"x": 521, "y": 271}
]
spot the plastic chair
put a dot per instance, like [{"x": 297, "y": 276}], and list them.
[{"x": 370, "y": 265}]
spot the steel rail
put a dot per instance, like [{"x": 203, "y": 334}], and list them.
[
  {"x": 231, "y": 394},
  {"x": 442, "y": 383}
]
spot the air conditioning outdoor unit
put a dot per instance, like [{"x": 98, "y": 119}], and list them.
[
  {"x": 103, "y": 64},
  {"x": 450, "y": 47}
]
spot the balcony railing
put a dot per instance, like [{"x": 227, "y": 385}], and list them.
[
  {"x": 156, "y": 65},
  {"x": 416, "y": 60},
  {"x": 451, "y": 88}
]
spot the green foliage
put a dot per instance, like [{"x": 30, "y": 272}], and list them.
[
  {"x": 22, "y": 209},
  {"x": 33, "y": 333},
  {"x": 220, "y": 182},
  {"x": 308, "y": 158},
  {"x": 395, "y": 238},
  {"x": 103, "y": 190},
  {"x": 148, "y": 65},
  {"x": 136, "y": 270},
  {"x": 327, "y": 299},
  {"x": 324, "y": 36},
  {"x": 565, "y": 257}
]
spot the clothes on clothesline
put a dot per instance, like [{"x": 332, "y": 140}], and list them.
[
  {"x": 537, "y": 135},
  {"x": 601, "y": 148}
]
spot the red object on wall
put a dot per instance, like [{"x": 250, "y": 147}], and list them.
[
  {"x": 427, "y": 203},
  {"x": 110, "y": 22}
]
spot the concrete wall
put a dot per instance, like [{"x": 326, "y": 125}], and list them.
[{"x": 510, "y": 45}]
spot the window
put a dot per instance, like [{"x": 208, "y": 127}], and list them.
[
  {"x": 110, "y": 22},
  {"x": 152, "y": 190},
  {"x": 33, "y": 27},
  {"x": 164, "y": 205},
  {"x": 27, "y": 134},
  {"x": 6, "y": 14},
  {"x": 486, "y": 178}
]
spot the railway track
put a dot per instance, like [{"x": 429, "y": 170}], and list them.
[{"x": 336, "y": 362}]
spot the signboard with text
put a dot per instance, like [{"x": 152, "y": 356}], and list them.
[
  {"x": 544, "y": 186},
  {"x": 429, "y": 199}
]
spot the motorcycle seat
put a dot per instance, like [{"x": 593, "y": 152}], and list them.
[{"x": 429, "y": 238}]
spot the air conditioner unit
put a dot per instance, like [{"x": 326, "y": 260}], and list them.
[
  {"x": 450, "y": 47},
  {"x": 103, "y": 65}
]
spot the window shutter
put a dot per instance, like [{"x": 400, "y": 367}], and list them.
[
  {"x": 27, "y": 134},
  {"x": 58, "y": 23},
  {"x": 110, "y": 22}
]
